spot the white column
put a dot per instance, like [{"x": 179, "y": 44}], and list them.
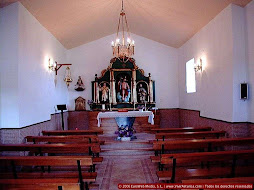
[
  {"x": 134, "y": 86},
  {"x": 150, "y": 89}
]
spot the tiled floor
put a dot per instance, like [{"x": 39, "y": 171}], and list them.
[{"x": 126, "y": 162}]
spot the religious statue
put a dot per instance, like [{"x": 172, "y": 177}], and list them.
[
  {"x": 104, "y": 92},
  {"x": 80, "y": 104},
  {"x": 80, "y": 85},
  {"x": 142, "y": 93},
  {"x": 123, "y": 94}
]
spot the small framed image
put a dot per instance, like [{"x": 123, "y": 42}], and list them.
[{"x": 244, "y": 91}]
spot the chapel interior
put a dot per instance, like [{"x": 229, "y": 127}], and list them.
[{"x": 126, "y": 94}]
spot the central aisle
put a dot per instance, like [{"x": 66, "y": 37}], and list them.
[{"x": 126, "y": 162}]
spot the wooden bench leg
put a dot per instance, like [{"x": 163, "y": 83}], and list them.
[
  {"x": 86, "y": 186},
  {"x": 14, "y": 170},
  {"x": 173, "y": 171},
  {"x": 80, "y": 176}
]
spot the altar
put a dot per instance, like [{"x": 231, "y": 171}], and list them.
[{"x": 114, "y": 114}]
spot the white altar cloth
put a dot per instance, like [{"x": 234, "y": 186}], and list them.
[{"x": 115, "y": 114}]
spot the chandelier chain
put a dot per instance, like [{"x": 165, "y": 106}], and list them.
[{"x": 123, "y": 47}]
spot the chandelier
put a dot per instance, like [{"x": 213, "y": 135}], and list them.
[{"x": 123, "y": 47}]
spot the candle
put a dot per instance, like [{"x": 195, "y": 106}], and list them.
[{"x": 103, "y": 107}]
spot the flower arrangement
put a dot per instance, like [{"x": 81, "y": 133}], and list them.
[
  {"x": 125, "y": 131},
  {"x": 90, "y": 103},
  {"x": 140, "y": 107}
]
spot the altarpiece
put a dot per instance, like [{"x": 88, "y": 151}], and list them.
[{"x": 123, "y": 85}]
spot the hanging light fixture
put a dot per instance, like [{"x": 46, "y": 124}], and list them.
[
  {"x": 67, "y": 77},
  {"x": 123, "y": 48}
]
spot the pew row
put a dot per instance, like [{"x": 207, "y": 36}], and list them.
[
  {"x": 221, "y": 180},
  {"x": 40, "y": 149},
  {"x": 193, "y": 135},
  {"x": 40, "y": 184},
  {"x": 232, "y": 165},
  {"x": 65, "y": 139},
  {"x": 15, "y": 162},
  {"x": 73, "y": 132},
  {"x": 160, "y": 147},
  {"x": 176, "y": 130}
]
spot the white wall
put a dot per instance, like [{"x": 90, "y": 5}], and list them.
[
  {"x": 213, "y": 43},
  {"x": 37, "y": 92},
  {"x": 33, "y": 86},
  {"x": 249, "y": 15},
  {"x": 222, "y": 46},
  {"x": 240, "y": 107},
  {"x": 158, "y": 59},
  {"x": 9, "y": 66}
]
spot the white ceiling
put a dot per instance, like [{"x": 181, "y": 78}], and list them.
[{"x": 171, "y": 22}]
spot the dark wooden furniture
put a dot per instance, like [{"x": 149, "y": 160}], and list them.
[
  {"x": 14, "y": 162},
  {"x": 160, "y": 147},
  {"x": 65, "y": 139},
  {"x": 40, "y": 184},
  {"x": 221, "y": 180},
  {"x": 73, "y": 132},
  {"x": 232, "y": 161},
  {"x": 176, "y": 130},
  {"x": 40, "y": 149},
  {"x": 194, "y": 135}
]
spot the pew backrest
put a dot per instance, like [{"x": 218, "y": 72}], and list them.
[
  {"x": 63, "y": 139},
  {"x": 175, "y": 130},
  {"x": 73, "y": 132},
  {"x": 194, "y": 135}
]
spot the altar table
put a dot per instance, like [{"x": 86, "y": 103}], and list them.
[{"x": 114, "y": 114}]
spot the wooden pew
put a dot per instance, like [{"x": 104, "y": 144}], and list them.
[
  {"x": 14, "y": 162},
  {"x": 221, "y": 180},
  {"x": 40, "y": 184},
  {"x": 65, "y": 139},
  {"x": 194, "y": 135},
  {"x": 199, "y": 144},
  {"x": 230, "y": 158},
  {"x": 73, "y": 132},
  {"x": 176, "y": 130},
  {"x": 91, "y": 149}
]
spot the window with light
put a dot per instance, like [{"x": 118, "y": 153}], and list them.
[{"x": 190, "y": 76}]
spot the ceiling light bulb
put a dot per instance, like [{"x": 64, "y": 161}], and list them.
[
  {"x": 128, "y": 40},
  {"x": 117, "y": 40},
  {"x": 112, "y": 43}
]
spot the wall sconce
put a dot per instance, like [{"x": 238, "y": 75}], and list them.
[
  {"x": 55, "y": 66},
  {"x": 198, "y": 66},
  {"x": 67, "y": 77}
]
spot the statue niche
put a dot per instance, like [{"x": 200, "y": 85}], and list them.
[
  {"x": 123, "y": 89},
  {"x": 122, "y": 85},
  {"x": 142, "y": 89},
  {"x": 104, "y": 88}
]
